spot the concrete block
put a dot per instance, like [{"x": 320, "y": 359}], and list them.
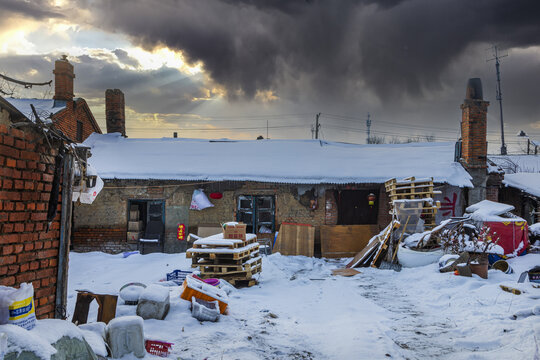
[
  {"x": 154, "y": 302},
  {"x": 126, "y": 335}
]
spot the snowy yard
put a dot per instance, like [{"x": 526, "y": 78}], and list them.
[{"x": 300, "y": 311}]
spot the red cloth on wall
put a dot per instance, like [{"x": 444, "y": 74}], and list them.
[{"x": 510, "y": 234}]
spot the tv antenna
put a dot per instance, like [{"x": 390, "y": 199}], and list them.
[{"x": 497, "y": 58}]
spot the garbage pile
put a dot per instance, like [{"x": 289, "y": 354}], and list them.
[{"x": 486, "y": 233}]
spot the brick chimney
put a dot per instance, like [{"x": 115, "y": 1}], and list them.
[
  {"x": 473, "y": 137},
  {"x": 63, "y": 79},
  {"x": 115, "y": 111}
]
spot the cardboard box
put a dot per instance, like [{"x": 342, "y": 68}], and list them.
[
  {"x": 235, "y": 232},
  {"x": 134, "y": 215},
  {"x": 206, "y": 230},
  {"x": 135, "y": 226},
  {"x": 134, "y": 208},
  {"x": 133, "y": 236}
]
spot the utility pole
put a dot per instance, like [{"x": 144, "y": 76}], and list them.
[
  {"x": 368, "y": 124},
  {"x": 496, "y": 57},
  {"x": 317, "y": 125}
]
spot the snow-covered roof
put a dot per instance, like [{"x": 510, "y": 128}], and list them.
[
  {"x": 281, "y": 161},
  {"x": 517, "y": 163},
  {"x": 528, "y": 182},
  {"x": 44, "y": 107}
]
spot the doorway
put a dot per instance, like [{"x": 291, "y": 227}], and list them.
[
  {"x": 354, "y": 207},
  {"x": 151, "y": 220}
]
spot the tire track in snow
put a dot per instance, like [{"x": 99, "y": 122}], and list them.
[{"x": 419, "y": 334}]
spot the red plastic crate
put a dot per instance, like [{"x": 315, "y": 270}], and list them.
[{"x": 156, "y": 347}]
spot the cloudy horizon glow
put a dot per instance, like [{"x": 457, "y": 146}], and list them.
[{"x": 237, "y": 69}]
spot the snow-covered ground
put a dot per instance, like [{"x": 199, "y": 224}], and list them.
[{"x": 300, "y": 311}]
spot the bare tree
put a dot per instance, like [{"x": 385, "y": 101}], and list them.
[{"x": 376, "y": 140}]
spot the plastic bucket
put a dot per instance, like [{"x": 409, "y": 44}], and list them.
[{"x": 503, "y": 266}]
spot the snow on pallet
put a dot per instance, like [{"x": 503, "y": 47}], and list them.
[
  {"x": 233, "y": 260},
  {"x": 229, "y": 268},
  {"x": 223, "y": 253},
  {"x": 217, "y": 241}
]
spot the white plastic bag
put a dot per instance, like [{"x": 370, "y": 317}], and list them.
[
  {"x": 17, "y": 306},
  {"x": 199, "y": 201}
]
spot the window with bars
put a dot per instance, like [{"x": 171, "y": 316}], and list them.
[{"x": 257, "y": 212}]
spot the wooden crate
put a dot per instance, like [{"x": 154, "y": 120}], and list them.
[{"x": 338, "y": 241}]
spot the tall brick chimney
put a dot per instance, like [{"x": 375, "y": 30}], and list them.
[
  {"x": 115, "y": 111},
  {"x": 63, "y": 79},
  {"x": 473, "y": 137}
]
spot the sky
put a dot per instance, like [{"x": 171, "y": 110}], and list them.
[{"x": 239, "y": 69}]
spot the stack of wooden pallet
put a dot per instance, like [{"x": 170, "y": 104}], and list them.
[
  {"x": 234, "y": 260},
  {"x": 415, "y": 189}
]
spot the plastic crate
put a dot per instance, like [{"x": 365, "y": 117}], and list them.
[
  {"x": 178, "y": 276},
  {"x": 156, "y": 347}
]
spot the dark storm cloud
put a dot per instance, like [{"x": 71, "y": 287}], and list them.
[
  {"x": 164, "y": 90},
  {"x": 37, "y": 9},
  {"x": 124, "y": 58},
  {"x": 333, "y": 47}
]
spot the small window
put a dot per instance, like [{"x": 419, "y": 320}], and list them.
[{"x": 79, "y": 131}]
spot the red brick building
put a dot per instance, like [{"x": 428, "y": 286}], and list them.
[{"x": 69, "y": 114}]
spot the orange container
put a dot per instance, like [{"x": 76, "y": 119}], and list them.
[{"x": 201, "y": 290}]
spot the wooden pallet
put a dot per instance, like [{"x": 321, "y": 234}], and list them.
[
  {"x": 222, "y": 244},
  {"x": 207, "y": 254},
  {"x": 243, "y": 283},
  {"x": 227, "y": 268},
  {"x": 201, "y": 260},
  {"x": 243, "y": 274}
]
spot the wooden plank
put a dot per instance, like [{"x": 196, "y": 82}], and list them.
[
  {"x": 345, "y": 272},
  {"x": 384, "y": 243},
  {"x": 345, "y": 240},
  {"x": 295, "y": 239},
  {"x": 364, "y": 254}
]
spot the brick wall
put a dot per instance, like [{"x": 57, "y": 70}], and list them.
[
  {"x": 110, "y": 240},
  {"x": 492, "y": 193},
  {"x": 331, "y": 208},
  {"x": 66, "y": 120},
  {"x": 102, "y": 226},
  {"x": 28, "y": 252},
  {"x": 115, "y": 111},
  {"x": 473, "y": 134},
  {"x": 63, "y": 79}
]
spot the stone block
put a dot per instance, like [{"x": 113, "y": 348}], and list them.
[{"x": 154, "y": 302}]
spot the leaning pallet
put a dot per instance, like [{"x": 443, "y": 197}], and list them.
[
  {"x": 234, "y": 260},
  {"x": 415, "y": 189}
]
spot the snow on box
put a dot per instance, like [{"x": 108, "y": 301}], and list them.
[
  {"x": 125, "y": 322},
  {"x": 156, "y": 293},
  {"x": 218, "y": 239},
  {"x": 281, "y": 161}
]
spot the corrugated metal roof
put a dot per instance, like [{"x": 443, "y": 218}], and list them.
[{"x": 279, "y": 161}]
